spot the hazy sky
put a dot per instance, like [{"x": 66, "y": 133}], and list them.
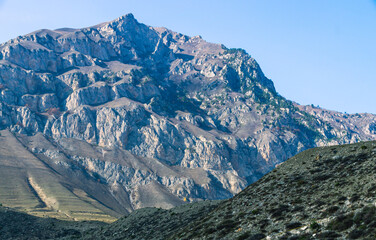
[{"x": 316, "y": 51}]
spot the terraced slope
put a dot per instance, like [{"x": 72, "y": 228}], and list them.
[{"x": 31, "y": 185}]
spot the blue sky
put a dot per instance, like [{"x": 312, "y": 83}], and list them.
[{"x": 316, "y": 51}]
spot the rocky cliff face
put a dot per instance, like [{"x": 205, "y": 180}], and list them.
[{"x": 156, "y": 116}]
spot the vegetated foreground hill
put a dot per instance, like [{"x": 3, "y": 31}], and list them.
[
  {"x": 121, "y": 116},
  {"x": 321, "y": 193}
]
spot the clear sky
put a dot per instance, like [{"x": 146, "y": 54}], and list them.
[{"x": 320, "y": 52}]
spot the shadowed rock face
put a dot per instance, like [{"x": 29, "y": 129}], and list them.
[{"x": 154, "y": 116}]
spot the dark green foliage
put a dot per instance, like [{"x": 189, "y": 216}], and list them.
[
  {"x": 355, "y": 234},
  {"x": 241, "y": 215},
  {"x": 210, "y": 230},
  {"x": 341, "y": 222},
  {"x": 235, "y": 50},
  {"x": 257, "y": 236},
  {"x": 255, "y": 211},
  {"x": 293, "y": 225},
  {"x": 228, "y": 224},
  {"x": 366, "y": 216},
  {"x": 332, "y": 209},
  {"x": 278, "y": 212},
  {"x": 314, "y": 225},
  {"x": 301, "y": 182},
  {"x": 328, "y": 235},
  {"x": 244, "y": 236}
]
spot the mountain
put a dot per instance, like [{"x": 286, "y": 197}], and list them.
[
  {"x": 321, "y": 193},
  {"x": 100, "y": 121}
]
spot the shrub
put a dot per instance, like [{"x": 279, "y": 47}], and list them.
[
  {"x": 314, "y": 225},
  {"x": 293, "y": 225},
  {"x": 341, "y": 222},
  {"x": 332, "y": 209},
  {"x": 210, "y": 230},
  {"x": 257, "y": 236},
  {"x": 354, "y": 234},
  {"x": 328, "y": 235},
  {"x": 241, "y": 215},
  {"x": 367, "y": 215},
  {"x": 227, "y": 224},
  {"x": 255, "y": 211},
  {"x": 244, "y": 236}
]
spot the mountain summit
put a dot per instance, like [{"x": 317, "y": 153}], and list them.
[{"x": 121, "y": 116}]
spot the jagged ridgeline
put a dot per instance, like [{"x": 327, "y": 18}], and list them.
[{"x": 100, "y": 121}]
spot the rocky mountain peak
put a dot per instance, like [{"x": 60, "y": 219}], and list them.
[
  {"x": 127, "y": 17},
  {"x": 136, "y": 110}
]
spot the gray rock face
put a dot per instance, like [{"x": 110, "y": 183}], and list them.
[{"x": 206, "y": 113}]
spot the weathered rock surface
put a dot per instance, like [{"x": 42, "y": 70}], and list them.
[{"x": 201, "y": 121}]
